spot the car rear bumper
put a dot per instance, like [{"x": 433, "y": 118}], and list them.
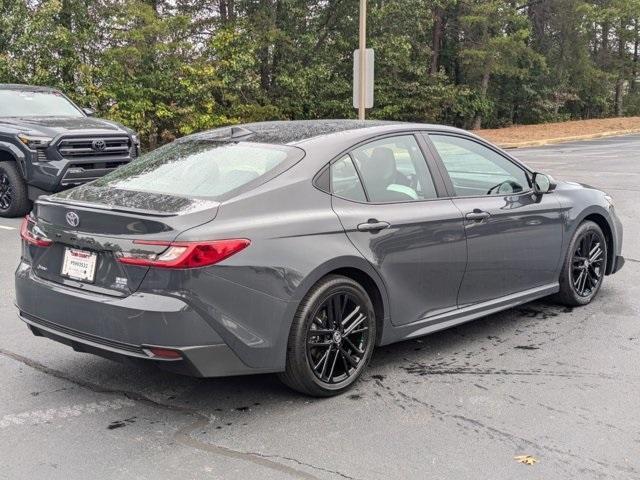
[
  {"x": 123, "y": 328},
  {"x": 196, "y": 361}
]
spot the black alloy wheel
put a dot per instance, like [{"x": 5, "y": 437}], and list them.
[
  {"x": 14, "y": 200},
  {"x": 6, "y": 192},
  {"x": 337, "y": 338},
  {"x": 331, "y": 339},
  {"x": 587, "y": 263},
  {"x": 584, "y": 266}
]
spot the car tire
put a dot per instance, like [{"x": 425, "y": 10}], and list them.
[
  {"x": 321, "y": 362},
  {"x": 14, "y": 200},
  {"x": 582, "y": 274}
]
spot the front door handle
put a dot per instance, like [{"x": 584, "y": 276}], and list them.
[
  {"x": 373, "y": 225},
  {"x": 477, "y": 215}
]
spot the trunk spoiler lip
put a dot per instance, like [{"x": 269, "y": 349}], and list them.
[{"x": 99, "y": 206}]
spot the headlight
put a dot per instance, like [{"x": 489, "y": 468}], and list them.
[
  {"x": 609, "y": 199},
  {"x": 135, "y": 139},
  {"x": 34, "y": 141}
]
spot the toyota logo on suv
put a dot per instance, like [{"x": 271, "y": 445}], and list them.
[{"x": 98, "y": 145}]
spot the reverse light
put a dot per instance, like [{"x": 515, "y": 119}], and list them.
[
  {"x": 185, "y": 254},
  {"x": 30, "y": 236}
]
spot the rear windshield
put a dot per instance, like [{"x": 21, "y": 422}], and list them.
[
  {"x": 18, "y": 103},
  {"x": 201, "y": 168}
]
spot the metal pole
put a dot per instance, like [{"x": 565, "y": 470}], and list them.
[{"x": 363, "y": 59}]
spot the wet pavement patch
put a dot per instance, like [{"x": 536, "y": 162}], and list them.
[{"x": 121, "y": 423}]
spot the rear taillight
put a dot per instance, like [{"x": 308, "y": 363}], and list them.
[
  {"x": 30, "y": 234},
  {"x": 184, "y": 254}
]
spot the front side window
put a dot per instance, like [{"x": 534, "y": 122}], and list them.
[
  {"x": 19, "y": 103},
  {"x": 477, "y": 170},
  {"x": 199, "y": 168},
  {"x": 393, "y": 169}
]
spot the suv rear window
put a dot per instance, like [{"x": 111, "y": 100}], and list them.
[{"x": 202, "y": 168}]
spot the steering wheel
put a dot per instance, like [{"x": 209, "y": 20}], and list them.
[{"x": 515, "y": 187}]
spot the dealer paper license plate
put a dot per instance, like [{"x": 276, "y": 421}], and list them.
[{"x": 79, "y": 264}]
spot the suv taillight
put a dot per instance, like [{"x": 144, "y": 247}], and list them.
[
  {"x": 184, "y": 254},
  {"x": 30, "y": 236}
]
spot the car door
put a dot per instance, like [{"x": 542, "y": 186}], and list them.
[
  {"x": 514, "y": 237},
  {"x": 389, "y": 205}
]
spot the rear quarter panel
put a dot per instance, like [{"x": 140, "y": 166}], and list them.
[{"x": 250, "y": 299}]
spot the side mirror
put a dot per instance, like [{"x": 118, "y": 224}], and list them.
[
  {"x": 89, "y": 112},
  {"x": 542, "y": 183}
]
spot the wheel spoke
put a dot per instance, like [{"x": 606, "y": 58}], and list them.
[
  {"x": 333, "y": 366},
  {"x": 348, "y": 357},
  {"x": 350, "y": 316},
  {"x": 361, "y": 318},
  {"x": 323, "y": 358},
  {"x": 347, "y": 370},
  {"x": 584, "y": 281},
  {"x": 318, "y": 332},
  {"x": 359, "y": 330},
  {"x": 353, "y": 347}
]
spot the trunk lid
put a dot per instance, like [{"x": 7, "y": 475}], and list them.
[{"x": 98, "y": 229}]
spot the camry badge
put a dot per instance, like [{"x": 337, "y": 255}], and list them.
[{"x": 72, "y": 219}]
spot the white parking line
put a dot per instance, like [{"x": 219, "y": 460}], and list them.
[
  {"x": 7, "y": 228},
  {"x": 50, "y": 415}
]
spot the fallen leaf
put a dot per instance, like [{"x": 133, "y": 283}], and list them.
[{"x": 526, "y": 459}]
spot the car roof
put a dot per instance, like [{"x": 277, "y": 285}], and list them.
[
  {"x": 299, "y": 132},
  {"x": 26, "y": 88}
]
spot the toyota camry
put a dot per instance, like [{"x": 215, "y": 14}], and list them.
[{"x": 298, "y": 247}]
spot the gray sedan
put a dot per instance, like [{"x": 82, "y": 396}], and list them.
[{"x": 297, "y": 247}]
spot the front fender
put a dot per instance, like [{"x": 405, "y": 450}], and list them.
[{"x": 18, "y": 154}]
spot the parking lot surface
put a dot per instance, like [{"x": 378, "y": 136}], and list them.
[{"x": 559, "y": 384}]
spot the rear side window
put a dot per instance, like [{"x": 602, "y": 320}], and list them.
[
  {"x": 201, "y": 168},
  {"x": 345, "y": 181},
  {"x": 393, "y": 169}
]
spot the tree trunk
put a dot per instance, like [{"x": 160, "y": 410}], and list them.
[
  {"x": 66, "y": 21},
  {"x": 622, "y": 46},
  {"x": 634, "y": 66},
  {"x": 438, "y": 33},
  {"x": 484, "y": 88}
]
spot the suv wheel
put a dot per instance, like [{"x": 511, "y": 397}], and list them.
[
  {"x": 584, "y": 266},
  {"x": 332, "y": 338},
  {"x": 14, "y": 201}
]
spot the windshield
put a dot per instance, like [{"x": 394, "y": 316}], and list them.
[
  {"x": 200, "y": 168},
  {"x": 18, "y": 103}
]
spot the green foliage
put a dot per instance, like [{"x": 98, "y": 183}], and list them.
[{"x": 170, "y": 68}]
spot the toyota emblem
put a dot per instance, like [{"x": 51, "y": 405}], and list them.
[
  {"x": 72, "y": 219},
  {"x": 98, "y": 145}
]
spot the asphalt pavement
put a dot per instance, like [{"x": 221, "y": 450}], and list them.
[{"x": 559, "y": 384}]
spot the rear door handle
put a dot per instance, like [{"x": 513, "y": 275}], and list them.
[
  {"x": 477, "y": 215},
  {"x": 373, "y": 225}
]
